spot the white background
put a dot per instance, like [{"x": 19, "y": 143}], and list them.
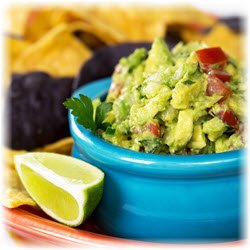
[{"x": 219, "y": 7}]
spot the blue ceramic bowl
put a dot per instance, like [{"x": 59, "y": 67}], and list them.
[{"x": 162, "y": 197}]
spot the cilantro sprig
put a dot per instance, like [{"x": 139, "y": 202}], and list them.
[
  {"x": 82, "y": 108},
  {"x": 101, "y": 114}
]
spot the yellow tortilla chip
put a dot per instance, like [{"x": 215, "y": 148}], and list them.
[
  {"x": 8, "y": 156},
  {"x": 13, "y": 48},
  {"x": 40, "y": 20},
  {"x": 14, "y": 194},
  {"x": 123, "y": 24},
  {"x": 13, "y": 197},
  {"x": 16, "y": 16},
  {"x": 187, "y": 15},
  {"x": 104, "y": 31},
  {"x": 138, "y": 23},
  {"x": 190, "y": 35},
  {"x": 63, "y": 146},
  {"x": 113, "y": 24},
  {"x": 231, "y": 42},
  {"x": 58, "y": 53}
]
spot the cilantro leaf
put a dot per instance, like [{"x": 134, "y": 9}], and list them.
[
  {"x": 110, "y": 131},
  {"x": 101, "y": 114},
  {"x": 152, "y": 145},
  {"x": 188, "y": 82},
  {"x": 82, "y": 108}
]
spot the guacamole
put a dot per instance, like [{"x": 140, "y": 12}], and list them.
[{"x": 186, "y": 101}]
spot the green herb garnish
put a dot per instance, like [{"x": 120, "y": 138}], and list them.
[
  {"x": 101, "y": 113},
  {"x": 110, "y": 131},
  {"x": 152, "y": 145},
  {"x": 188, "y": 82},
  {"x": 82, "y": 108}
]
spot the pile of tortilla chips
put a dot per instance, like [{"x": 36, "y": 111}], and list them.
[
  {"x": 58, "y": 40},
  {"x": 44, "y": 38}
]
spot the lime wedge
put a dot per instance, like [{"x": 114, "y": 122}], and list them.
[{"x": 67, "y": 189}]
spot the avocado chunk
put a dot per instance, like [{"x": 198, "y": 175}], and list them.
[
  {"x": 214, "y": 128},
  {"x": 180, "y": 96},
  {"x": 131, "y": 62},
  {"x": 139, "y": 115},
  {"x": 169, "y": 115},
  {"x": 236, "y": 104},
  {"x": 159, "y": 57},
  {"x": 225, "y": 143},
  {"x": 198, "y": 139},
  {"x": 182, "y": 132}
]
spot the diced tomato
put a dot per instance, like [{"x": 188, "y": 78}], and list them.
[
  {"x": 155, "y": 128},
  {"x": 210, "y": 58},
  {"x": 221, "y": 74},
  {"x": 218, "y": 87},
  {"x": 228, "y": 117}
]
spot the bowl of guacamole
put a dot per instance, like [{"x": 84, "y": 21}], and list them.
[
  {"x": 167, "y": 130},
  {"x": 187, "y": 101}
]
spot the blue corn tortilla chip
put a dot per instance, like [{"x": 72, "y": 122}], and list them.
[
  {"x": 34, "y": 112},
  {"x": 234, "y": 22}
]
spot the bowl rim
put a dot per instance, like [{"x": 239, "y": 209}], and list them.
[{"x": 226, "y": 163}]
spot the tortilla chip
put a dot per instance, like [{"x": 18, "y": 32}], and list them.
[
  {"x": 188, "y": 16},
  {"x": 58, "y": 53},
  {"x": 14, "y": 194},
  {"x": 16, "y": 19},
  {"x": 231, "y": 42},
  {"x": 137, "y": 23},
  {"x": 13, "y": 48},
  {"x": 36, "y": 99},
  {"x": 109, "y": 25},
  {"x": 40, "y": 20},
  {"x": 13, "y": 197},
  {"x": 104, "y": 31},
  {"x": 123, "y": 24},
  {"x": 8, "y": 156},
  {"x": 188, "y": 35},
  {"x": 63, "y": 146}
]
